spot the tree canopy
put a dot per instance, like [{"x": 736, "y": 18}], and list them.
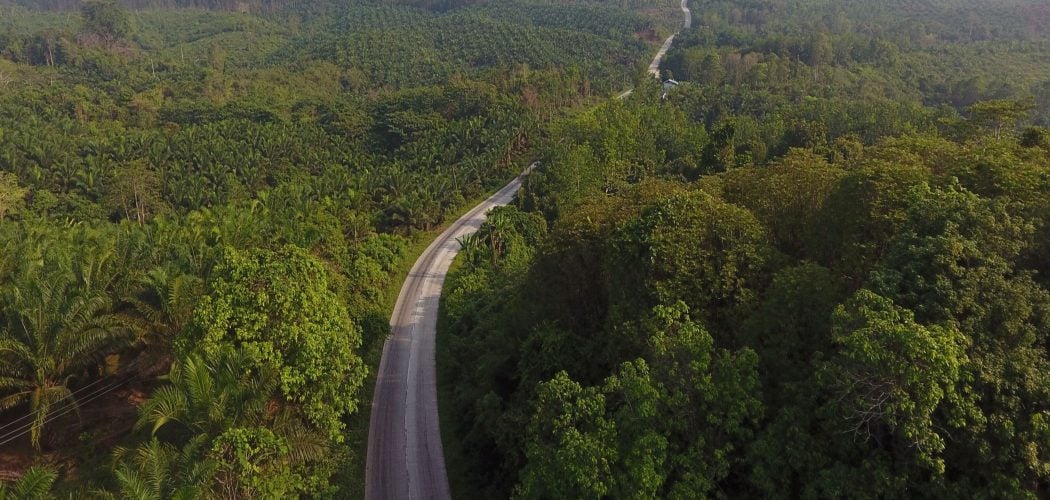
[{"x": 278, "y": 308}]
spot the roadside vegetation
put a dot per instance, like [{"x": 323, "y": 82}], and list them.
[
  {"x": 817, "y": 268},
  {"x": 203, "y": 206}
]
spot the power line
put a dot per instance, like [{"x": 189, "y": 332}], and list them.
[
  {"x": 25, "y": 429},
  {"x": 64, "y": 409},
  {"x": 71, "y": 394}
]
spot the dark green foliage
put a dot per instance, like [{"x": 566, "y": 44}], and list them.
[
  {"x": 898, "y": 314},
  {"x": 693, "y": 247},
  {"x": 106, "y": 18},
  {"x": 864, "y": 320}
]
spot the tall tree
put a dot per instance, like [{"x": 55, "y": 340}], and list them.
[
  {"x": 278, "y": 307},
  {"x": 106, "y": 18},
  {"x": 999, "y": 115},
  {"x": 890, "y": 375}
]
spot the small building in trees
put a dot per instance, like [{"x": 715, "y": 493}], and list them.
[{"x": 668, "y": 86}]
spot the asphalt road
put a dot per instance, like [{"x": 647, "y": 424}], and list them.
[
  {"x": 654, "y": 66},
  {"x": 405, "y": 459}
]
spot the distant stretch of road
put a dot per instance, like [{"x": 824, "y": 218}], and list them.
[
  {"x": 654, "y": 66},
  {"x": 405, "y": 458}
]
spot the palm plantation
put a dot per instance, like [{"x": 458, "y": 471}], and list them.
[
  {"x": 56, "y": 330},
  {"x": 211, "y": 435}
]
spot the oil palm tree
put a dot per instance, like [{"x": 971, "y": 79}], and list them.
[
  {"x": 159, "y": 471},
  {"x": 163, "y": 305},
  {"x": 208, "y": 396},
  {"x": 35, "y": 484},
  {"x": 54, "y": 328}
]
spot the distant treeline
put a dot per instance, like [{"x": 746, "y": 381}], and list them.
[
  {"x": 268, "y": 6},
  {"x": 224, "y": 5}
]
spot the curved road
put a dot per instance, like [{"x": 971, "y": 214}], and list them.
[
  {"x": 654, "y": 66},
  {"x": 405, "y": 459}
]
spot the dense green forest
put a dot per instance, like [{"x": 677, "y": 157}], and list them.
[
  {"x": 206, "y": 208},
  {"x": 818, "y": 267}
]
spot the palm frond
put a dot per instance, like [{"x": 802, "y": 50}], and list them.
[
  {"x": 15, "y": 350},
  {"x": 34, "y": 484},
  {"x": 154, "y": 459},
  {"x": 133, "y": 486},
  {"x": 12, "y": 400},
  {"x": 167, "y": 404}
]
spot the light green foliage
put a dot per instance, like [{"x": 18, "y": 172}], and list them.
[
  {"x": 164, "y": 305},
  {"x": 634, "y": 402},
  {"x": 505, "y": 239},
  {"x": 278, "y": 308},
  {"x": 891, "y": 374},
  {"x": 573, "y": 445},
  {"x": 209, "y": 396},
  {"x": 398, "y": 46},
  {"x": 999, "y": 114},
  {"x": 157, "y": 471},
  {"x": 12, "y": 196},
  {"x": 614, "y": 440},
  {"x": 251, "y": 463},
  {"x": 135, "y": 193},
  {"x": 177, "y": 131},
  {"x": 35, "y": 484},
  {"x": 221, "y": 426}
]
